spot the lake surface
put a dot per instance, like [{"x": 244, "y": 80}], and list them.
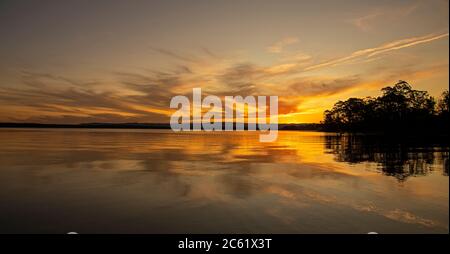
[{"x": 157, "y": 181}]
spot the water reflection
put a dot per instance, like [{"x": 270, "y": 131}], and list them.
[
  {"x": 395, "y": 157},
  {"x": 154, "y": 181}
]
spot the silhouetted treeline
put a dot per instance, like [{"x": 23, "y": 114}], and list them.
[
  {"x": 301, "y": 126},
  {"x": 399, "y": 109},
  {"x": 89, "y": 125}
]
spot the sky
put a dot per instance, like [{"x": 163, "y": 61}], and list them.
[{"x": 122, "y": 61}]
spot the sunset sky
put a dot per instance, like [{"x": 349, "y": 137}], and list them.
[{"x": 122, "y": 61}]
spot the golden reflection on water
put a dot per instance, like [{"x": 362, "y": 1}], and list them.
[{"x": 157, "y": 181}]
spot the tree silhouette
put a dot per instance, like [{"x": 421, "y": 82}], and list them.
[
  {"x": 399, "y": 108},
  {"x": 443, "y": 105}
]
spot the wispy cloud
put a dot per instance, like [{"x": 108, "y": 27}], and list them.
[
  {"x": 175, "y": 55},
  {"x": 406, "y": 43},
  {"x": 279, "y": 46},
  {"x": 367, "y": 21},
  {"x": 363, "y": 23},
  {"x": 371, "y": 52}
]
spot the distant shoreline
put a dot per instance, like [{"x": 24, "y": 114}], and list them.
[
  {"x": 307, "y": 126},
  {"x": 315, "y": 127},
  {"x": 88, "y": 125}
]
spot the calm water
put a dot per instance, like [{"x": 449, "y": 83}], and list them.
[{"x": 156, "y": 181}]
